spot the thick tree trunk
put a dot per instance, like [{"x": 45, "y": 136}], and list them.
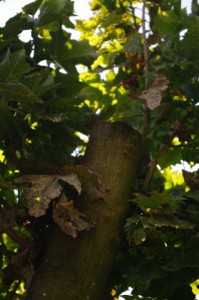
[{"x": 77, "y": 269}]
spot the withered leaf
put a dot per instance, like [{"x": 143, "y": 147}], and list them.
[
  {"x": 90, "y": 181},
  {"x": 154, "y": 94},
  {"x": 191, "y": 179},
  {"x": 84, "y": 174},
  {"x": 43, "y": 189},
  {"x": 69, "y": 219}
]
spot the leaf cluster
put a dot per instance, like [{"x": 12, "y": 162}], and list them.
[
  {"x": 161, "y": 261},
  {"x": 45, "y": 104},
  {"x": 41, "y": 115}
]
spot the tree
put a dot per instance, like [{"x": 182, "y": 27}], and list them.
[{"x": 86, "y": 221}]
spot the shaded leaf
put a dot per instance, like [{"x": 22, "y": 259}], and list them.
[
  {"x": 8, "y": 125},
  {"x": 138, "y": 236},
  {"x": 67, "y": 54},
  {"x": 40, "y": 82},
  {"x": 170, "y": 22},
  {"x": 190, "y": 43},
  {"x": 156, "y": 200},
  {"x": 193, "y": 194},
  {"x": 191, "y": 179},
  {"x": 7, "y": 218},
  {"x": 53, "y": 10},
  {"x": 13, "y": 66},
  {"x": 165, "y": 222},
  {"x": 16, "y": 25},
  {"x": 113, "y": 18},
  {"x": 5, "y": 184},
  {"x": 16, "y": 91},
  {"x": 133, "y": 44},
  {"x": 32, "y": 8}
]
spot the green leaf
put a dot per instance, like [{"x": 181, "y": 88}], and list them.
[
  {"x": 156, "y": 200},
  {"x": 147, "y": 272},
  {"x": 172, "y": 156},
  {"x": 32, "y": 8},
  {"x": 14, "y": 26},
  {"x": 133, "y": 44},
  {"x": 5, "y": 184},
  {"x": 68, "y": 86},
  {"x": 169, "y": 22},
  {"x": 8, "y": 125},
  {"x": 56, "y": 6},
  {"x": 193, "y": 194},
  {"x": 72, "y": 53},
  {"x": 138, "y": 236},
  {"x": 13, "y": 66},
  {"x": 54, "y": 10},
  {"x": 40, "y": 82},
  {"x": 168, "y": 221},
  {"x": 113, "y": 18},
  {"x": 190, "y": 43},
  {"x": 16, "y": 91}
]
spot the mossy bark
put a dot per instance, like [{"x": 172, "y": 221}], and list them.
[{"x": 78, "y": 269}]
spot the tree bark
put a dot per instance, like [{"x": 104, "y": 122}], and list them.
[{"x": 78, "y": 269}]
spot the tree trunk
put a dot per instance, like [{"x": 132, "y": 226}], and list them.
[{"x": 78, "y": 269}]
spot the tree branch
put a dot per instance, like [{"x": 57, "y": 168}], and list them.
[
  {"x": 15, "y": 236},
  {"x": 146, "y": 75}
]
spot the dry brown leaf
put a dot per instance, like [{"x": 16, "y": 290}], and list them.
[
  {"x": 43, "y": 189},
  {"x": 154, "y": 94},
  {"x": 69, "y": 219},
  {"x": 191, "y": 179},
  {"x": 84, "y": 174}
]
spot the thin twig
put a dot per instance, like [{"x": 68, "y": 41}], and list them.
[
  {"x": 15, "y": 236},
  {"x": 146, "y": 52},
  {"x": 154, "y": 163},
  {"x": 146, "y": 74}
]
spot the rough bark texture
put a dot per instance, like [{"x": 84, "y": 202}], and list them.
[{"x": 74, "y": 269}]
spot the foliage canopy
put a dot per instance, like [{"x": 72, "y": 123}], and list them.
[{"x": 139, "y": 64}]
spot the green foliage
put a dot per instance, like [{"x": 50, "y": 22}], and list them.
[
  {"x": 45, "y": 103},
  {"x": 164, "y": 224},
  {"x": 40, "y": 115},
  {"x": 166, "y": 238}
]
